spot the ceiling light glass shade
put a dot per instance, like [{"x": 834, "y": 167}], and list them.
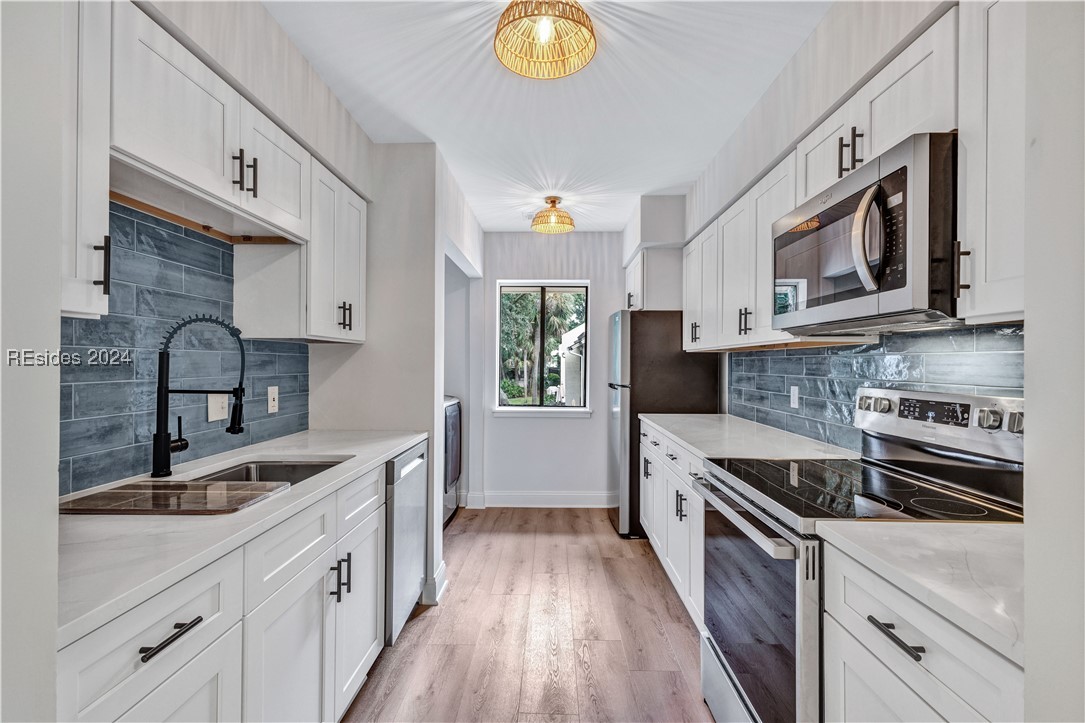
[
  {"x": 544, "y": 39},
  {"x": 552, "y": 219}
]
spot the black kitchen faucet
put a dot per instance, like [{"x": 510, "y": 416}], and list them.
[{"x": 163, "y": 446}]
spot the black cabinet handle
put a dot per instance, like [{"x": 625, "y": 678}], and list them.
[
  {"x": 655, "y": 443},
  {"x": 343, "y": 320},
  {"x": 957, "y": 254},
  {"x": 147, "y": 653},
  {"x": 841, "y": 169},
  {"x": 740, "y": 329},
  {"x": 337, "y": 593},
  {"x": 677, "y": 504},
  {"x": 350, "y": 568},
  {"x": 240, "y": 158},
  {"x": 255, "y": 176},
  {"x": 648, "y": 467},
  {"x": 350, "y": 317},
  {"x": 682, "y": 507},
  {"x": 629, "y": 300},
  {"x": 887, "y": 629},
  {"x": 855, "y": 160},
  {"x": 107, "y": 248}
]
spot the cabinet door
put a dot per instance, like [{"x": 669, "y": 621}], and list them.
[
  {"x": 634, "y": 284},
  {"x": 915, "y": 93},
  {"x": 647, "y": 499},
  {"x": 85, "y": 207},
  {"x": 860, "y": 687},
  {"x": 359, "y": 617},
  {"x": 659, "y": 507},
  {"x": 734, "y": 241},
  {"x": 277, "y": 185},
  {"x": 170, "y": 111},
  {"x": 820, "y": 155},
  {"x": 350, "y": 245},
  {"x": 206, "y": 689},
  {"x": 772, "y": 198},
  {"x": 991, "y": 143},
  {"x": 290, "y": 649},
  {"x": 691, "y": 293},
  {"x": 708, "y": 333},
  {"x": 325, "y": 316},
  {"x": 695, "y": 507},
  {"x": 677, "y": 559}
]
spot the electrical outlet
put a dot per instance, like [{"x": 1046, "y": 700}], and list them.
[
  {"x": 794, "y": 397},
  {"x": 272, "y": 400},
  {"x": 217, "y": 407}
]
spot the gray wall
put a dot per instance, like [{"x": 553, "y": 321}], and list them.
[
  {"x": 160, "y": 274},
  {"x": 975, "y": 360}
]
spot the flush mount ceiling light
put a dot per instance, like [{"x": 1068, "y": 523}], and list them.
[
  {"x": 552, "y": 219},
  {"x": 544, "y": 39}
]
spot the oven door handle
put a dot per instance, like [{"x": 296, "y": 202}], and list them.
[
  {"x": 775, "y": 547},
  {"x": 858, "y": 240}
]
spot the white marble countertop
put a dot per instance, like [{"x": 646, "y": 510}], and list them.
[
  {"x": 111, "y": 563},
  {"x": 725, "y": 435},
  {"x": 972, "y": 574}
]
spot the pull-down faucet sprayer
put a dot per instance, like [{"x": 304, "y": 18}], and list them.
[{"x": 162, "y": 444}]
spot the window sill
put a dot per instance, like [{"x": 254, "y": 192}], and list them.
[{"x": 554, "y": 412}]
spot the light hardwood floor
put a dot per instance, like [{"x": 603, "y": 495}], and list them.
[{"x": 548, "y": 616}]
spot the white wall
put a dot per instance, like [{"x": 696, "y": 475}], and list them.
[
  {"x": 30, "y": 304},
  {"x": 540, "y": 461},
  {"x": 1055, "y": 362},
  {"x": 457, "y": 228},
  {"x": 396, "y": 379},
  {"x": 243, "y": 43},
  {"x": 852, "y": 42},
  {"x": 458, "y": 356}
]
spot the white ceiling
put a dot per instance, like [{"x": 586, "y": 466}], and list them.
[{"x": 669, "y": 83}]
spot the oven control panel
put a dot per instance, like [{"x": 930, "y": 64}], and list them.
[{"x": 987, "y": 425}]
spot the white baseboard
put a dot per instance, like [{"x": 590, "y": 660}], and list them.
[
  {"x": 476, "y": 500},
  {"x": 435, "y": 586},
  {"x": 551, "y": 499}
]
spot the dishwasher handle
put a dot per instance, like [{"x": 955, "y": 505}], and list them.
[{"x": 402, "y": 466}]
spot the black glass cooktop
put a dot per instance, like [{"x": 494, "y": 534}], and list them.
[{"x": 850, "y": 488}]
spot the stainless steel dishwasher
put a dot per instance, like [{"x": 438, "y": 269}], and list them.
[{"x": 408, "y": 483}]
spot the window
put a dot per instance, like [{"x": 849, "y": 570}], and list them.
[{"x": 543, "y": 346}]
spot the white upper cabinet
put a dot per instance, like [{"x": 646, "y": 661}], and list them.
[
  {"x": 772, "y": 198},
  {"x": 316, "y": 291},
  {"x": 277, "y": 186},
  {"x": 991, "y": 171},
  {"x": 733, "y": 230},
  {"x": 701, "y": 294},
  {"x": 915, "y": 93},
  {"x": 85, "y": 244},
  {"x": 170, "y": 111},
  {"x": 634, "y": 284}
]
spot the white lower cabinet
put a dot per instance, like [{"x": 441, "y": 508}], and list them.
[
  {"x": 672, "y": 514},
  {"x": 289, "y": 649},
  {"x": 206, "y": 690},
  {"x": 359, "y": 616},
  {"x": 887, "y": 656},
  {"x": 861, "y": 688}
]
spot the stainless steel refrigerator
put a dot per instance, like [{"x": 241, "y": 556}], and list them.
[{"x": 649, "y": 373}]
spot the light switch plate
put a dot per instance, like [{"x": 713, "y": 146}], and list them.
[
  {"x": 794, "y": 397},
  {"x": 272, "y": 400},
  {"x": 217, "y": 407}
]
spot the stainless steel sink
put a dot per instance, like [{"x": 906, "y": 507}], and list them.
[{"x": 276, "y": 471}]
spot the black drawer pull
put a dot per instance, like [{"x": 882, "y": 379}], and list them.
[
  {"x": 107, "y": 249},
  {"x": 337, "y": 593},
  {"x": 887, "y": 629},
  {"x": 181, "y": 628}
]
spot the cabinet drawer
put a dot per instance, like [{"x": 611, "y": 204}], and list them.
[
  {"x": 355, "y": 502},
  {"x": 955, "y": 667},
  {"x": 102, "y": 675},
  {"x": 286, "y": 549},
  {"x": 674, "y": 455}
]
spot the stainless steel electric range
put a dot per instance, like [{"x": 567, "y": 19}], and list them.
[{"x": 925, "y": 457}]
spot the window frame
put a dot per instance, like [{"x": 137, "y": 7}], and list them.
[{"x": 531, "y": 410}]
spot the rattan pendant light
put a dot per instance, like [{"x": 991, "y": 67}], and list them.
[
  {"x": 552, "y": 219},
  {"x": 544, "y": 39}
]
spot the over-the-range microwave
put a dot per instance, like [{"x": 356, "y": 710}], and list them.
[{"x": 876, "y": 251}]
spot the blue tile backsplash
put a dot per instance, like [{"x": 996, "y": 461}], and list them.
[
  {"x": 160, "y": 273},
  {"x": 971, "y": 360}
]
